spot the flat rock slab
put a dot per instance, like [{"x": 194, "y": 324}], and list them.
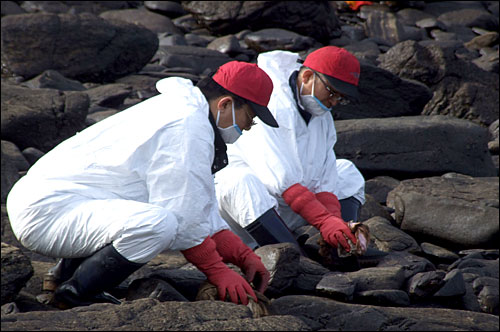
[
  {"x": 458, "y": 209},
  {"x": 332, "y": 315},
  {"x": 415, "y": 146},
  {"x": 152, "y": 315}
]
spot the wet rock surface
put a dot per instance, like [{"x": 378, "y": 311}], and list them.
[{"x": 424, "y": 135}]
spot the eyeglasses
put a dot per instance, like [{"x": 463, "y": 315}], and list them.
[
  {"x": 334, "y": 94},
  {"x": 252, "y": 122}
]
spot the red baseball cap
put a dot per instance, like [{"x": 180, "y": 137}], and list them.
[
  {"x": 340, "y": 67},
  {"x": 250, "y": 82}
]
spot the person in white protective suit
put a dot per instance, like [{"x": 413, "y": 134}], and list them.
[
  {"x": 289, "y": 176},
  {"x": 115, "y": 195}
]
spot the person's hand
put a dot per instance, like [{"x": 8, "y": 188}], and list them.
[
  {"x": 233, "y": 250},
  {"x": 330, "y": 224},
  {"x": 206, "y": 258}
]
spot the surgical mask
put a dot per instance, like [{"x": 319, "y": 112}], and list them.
[
  {"x": 231, "y": 133},
  {"x": 312, "y": 104}
]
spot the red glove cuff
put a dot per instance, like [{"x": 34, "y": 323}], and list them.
[
  {"x": 297, "y": 196},
  {"x": 331, "y": 202},
  {"x": 203, "y": 255},
  {"x": 230, "y": 247}
]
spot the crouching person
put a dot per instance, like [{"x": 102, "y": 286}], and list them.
[{"x": 115, "y": 195}]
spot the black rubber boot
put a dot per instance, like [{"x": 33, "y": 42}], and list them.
[
  {"x": 269, "y": 228},
  {"x": 350, "y": 208},
  {"x": 105, "y": 269}
]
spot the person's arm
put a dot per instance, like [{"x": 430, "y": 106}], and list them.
[
  {"x": 234, "y": 251},
  {"x": 206, "y": 258},
  {"x": 333, "y": 229}
]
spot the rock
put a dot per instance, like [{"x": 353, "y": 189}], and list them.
[
  {"x": 410, "y": 263},
  {"x": 448, "y": 208},
  {"x": 154, "y": 22},
  {"x": 316, "y": 20},
  {"x": 383, "y": 297},
  {"x": 425, "y": 284},
  {"x": 469, "y": 18},
  {"x": 310, "y": 274},
  {"x": 32, "y": 154},
  {"x": 143, "y": 314},
  {"x": 378, "y": 187},
  {"x": 388, "y": 146},
  {"x": 171, "y": 9},
  {"x": 282, "y": 262},
  {"x": 277, "y": 39},
  {"x": 388, "y": 238},
  {"x": 322, "y": 313},
  {"x": 96, "y": 49},
  {"x": 11, "y": 152},
  {"x": 460, "y": 88},
  {"x": 16, "y": 271},
  {"x": 227, "y": 44},
  {"x": 51, "y": 79},
  {"x": 454, "y": 285},
  {"x": 372, "y": 208},
  {"x": 9, "y": 174},
  {"x": 383, "y": 94},
  {"x": 200, "y": 60},
  {"x": 154, "y": 289},
  {"x": 108, "y": 95},
  {"x": 438, "y": 253},
  {"x": 385, "y": 28},
  {"x": 50, "y": 116}
]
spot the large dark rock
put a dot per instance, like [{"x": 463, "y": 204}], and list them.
[
  {"x": 314, "y": 19},
  {"x": 384, "y": 94},
  {"x": 49, "y": 116},
  {"x": 455, "y": 209},
  {"x": 415, "y": 146},
  {"x": 16, "y": 271},
  {"x": 460, "y": 88},
  {"x": 327, "y": 314},
  {"x": 83, "y": 47}
]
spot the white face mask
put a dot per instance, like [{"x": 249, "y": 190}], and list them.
[
  {"x": 231, "y": 133},
  {"x": 312, "y": 104}
]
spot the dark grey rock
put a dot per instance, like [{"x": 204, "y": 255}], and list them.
[
  {"x": 460, "y": 88},
  {"x": 383, "y": 94},
  {"x": 108, "y": 95},
  {"x": 227, "y": 44},
  {"x": 154, "y": 289},
  {"x": 91, "y": 48},
  {"x": 11, "y": 151},
  {"x": 410, "y": 263},
  {"x": 154, "y": 22},
  {"x": 277, "y": 39},
  {"x": 333, "y": 315},
  {"x": 312, "y": 19},
  {"x": 171, "y": 9},
  {"x": 469, "y": 18},
  {"x": 11, "y": 8},
  {"x": 383, "y": 297},
  {"x": 282, "y": 262},
  {"x": 448, "y": 209},
  {"x": 388, "y": 146},
  {"x": 51, "y": 79},
  {"x": 9, "y": 174},
  {"x": 439, "y": 253},
  {"x": 454, "y": 285},
  {"x": 32, "y": 154},
  {"x": 50, "y": 116},
  {"x": 338, "y": 286},
  {"x": 388, "y": 238},
  {"x": 200, "y": 60},
  {"x": 16, "y": 271},
  {"x": 425, "y": 284},
  {"x": 380, "y": 186},
  {"x": 372, "y": 208}
]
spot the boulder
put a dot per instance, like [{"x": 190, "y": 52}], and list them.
[
  {"x": 50, "y": 116},
  {"x": 314, "y": 19},
  {"x": 90, "y": 49},
  {"x": 16, "y": 271},
  {"x": 389, "y": 146},
  {"x": 455, "y": 209}
]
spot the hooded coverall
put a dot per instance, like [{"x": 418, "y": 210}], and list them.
[
  {"x": 266, "y": 161},
  {"x": 141, "y": 179}
]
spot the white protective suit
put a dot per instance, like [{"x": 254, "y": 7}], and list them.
[
  {"x": 141, "y": 179},
  {"x": 266, "y": 161}
]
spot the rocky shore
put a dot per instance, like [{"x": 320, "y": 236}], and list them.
[{"x": 425, "y": 136}]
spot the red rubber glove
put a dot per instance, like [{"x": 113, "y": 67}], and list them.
[
  {"x": 206, "y": 258},
  {"x": 331, "y": 202},
  {"x": 331, "y": 226},
  {"x": 234, "y": 251}
]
